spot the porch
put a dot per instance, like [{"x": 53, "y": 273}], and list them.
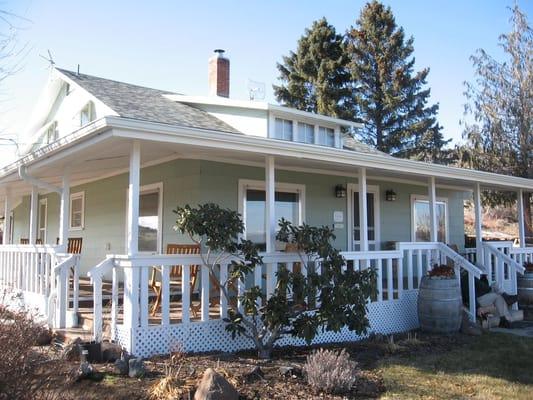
[{"x": 127, "y": 160}]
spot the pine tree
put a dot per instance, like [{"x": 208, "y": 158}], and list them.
[
  {"x": 391, "y": 98},
  {"x": 315, "y": 78}
]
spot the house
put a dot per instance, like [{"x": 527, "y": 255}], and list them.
[{"x": 109, "y": 161}]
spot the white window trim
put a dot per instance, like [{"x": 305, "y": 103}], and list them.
[
  {"x": 147, "y": 189},
  {"x": 245, "y": 184},
  {"x": 45, "y": 228},
  {"x": 310, "y": 121},
  {"x": 442, "y": 200},
  {"x": 351, "y": 188},
  {"x": 72, "y": 197},
  {"x": 90, "y": 106}
]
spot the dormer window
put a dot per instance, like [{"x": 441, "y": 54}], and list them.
[
  {"x": 283, "y": 129},
  {"x": 326, "y": 136},
  {"x": 87, "y": 114},
  {"x": 51, "y": 133},
  {"x": 306, "y": 133}
]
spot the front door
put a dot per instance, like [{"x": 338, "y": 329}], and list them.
[{"x": 372, "y": 214}]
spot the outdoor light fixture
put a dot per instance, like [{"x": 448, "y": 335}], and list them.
[
  {"x": 340, "y": 191},
  {"x": 390, "y": 195}
]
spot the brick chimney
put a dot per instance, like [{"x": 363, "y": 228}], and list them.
[{"x": 218, "y": 71}]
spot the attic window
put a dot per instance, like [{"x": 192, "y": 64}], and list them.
[
  {"x": 326, "y": 136},
  {"x": 51, "y": 133},
  {"x": 283, "y": 129},
  {"x": 87, "y": 114}
]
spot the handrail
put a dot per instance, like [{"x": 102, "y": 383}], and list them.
[
  {"x": 64, "y": 265},
  {"x": 520, "y": 269},
  {"x": 459, "y": 259},
  {"x": 101, "y": 268}
]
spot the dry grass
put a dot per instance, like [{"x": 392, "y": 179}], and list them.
[{"x": 495, "y": 366}]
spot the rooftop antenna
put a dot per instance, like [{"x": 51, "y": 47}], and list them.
[
  {"x": 50, "y": 59},
  {"x": 256, "y": 90}
]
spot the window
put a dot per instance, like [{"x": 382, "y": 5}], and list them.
[
  {"x": 51, "y": 133},
  {"x": 422, "y": 220},
  {"x": 306, "y": 133},
  {"x": 87, "y": 114},
  {"x": 289, "y": 200},
  {"x": 150, "y": 218},
  {"x": 43, "y": 207},
  {"x": 326, "y": 136},
  {"x": 283, "y": 129},
  {"x": 77, "y": 210}
]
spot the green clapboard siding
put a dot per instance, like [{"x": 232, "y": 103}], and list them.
[{"x": 195, "y": 181}]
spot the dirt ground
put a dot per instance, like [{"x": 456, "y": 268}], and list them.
[{"x": 406, "y": 366}]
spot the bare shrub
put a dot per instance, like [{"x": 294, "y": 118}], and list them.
[
  {"x": 24, "y": 369},
  {"x": 331, "y": 371}
]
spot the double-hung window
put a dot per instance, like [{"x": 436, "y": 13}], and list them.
[
  {"x": 283, "y": 129},
  {"x": 87, "y": 114},
  {"x": 326, "y": 136},
  {"x": 306, "y": 133},
  {"x": 422, "y": 220},
  {"x": 77, "y": 210},
  {"x": 51, "y": 134},
  {"x": 289, "y": 201}
]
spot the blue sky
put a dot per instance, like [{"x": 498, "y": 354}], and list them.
[{"x": 166, "y": 44}]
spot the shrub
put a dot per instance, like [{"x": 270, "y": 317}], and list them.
[
  {"x": 330, "y": 371},
  {"x": 25, "y": 372},
  {"x": 327, "y": 297}
]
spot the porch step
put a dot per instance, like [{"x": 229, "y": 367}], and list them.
[{"x": 70, "y": 334}]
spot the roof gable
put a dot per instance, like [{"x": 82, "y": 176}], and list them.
[{"x": 146, "y": 104}]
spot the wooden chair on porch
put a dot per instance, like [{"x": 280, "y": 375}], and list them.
[
  {"x": 176, "y": 275},
  {"x": 74, "y": 245},
  {"x": 24, "y": 241}
]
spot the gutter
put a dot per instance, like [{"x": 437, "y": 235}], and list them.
[{"x": 37, "y": 182}]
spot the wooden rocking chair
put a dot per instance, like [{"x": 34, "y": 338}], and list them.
[{"x": 176, "y": 275}]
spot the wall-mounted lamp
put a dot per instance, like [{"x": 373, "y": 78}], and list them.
[
  {"x": 340, "y": 191},
  {"x": 390, "y": 195}
]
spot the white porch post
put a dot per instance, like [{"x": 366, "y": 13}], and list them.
[
  {"x": 64, "y": 214},
  {"x": 7, "y": 219},
  {"x": 521, "y": 219},
  {"x": 270, "y": 200},
  {"x": 33, "y": 214},
  {"x": 363, "y": 220},
  {"x": 479, "y": 224},
  {"x": 432, "y": 194},
  {"x": 133, "y": 198}
]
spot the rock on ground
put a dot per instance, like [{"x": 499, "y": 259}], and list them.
[{"x": 215, "y": 387}]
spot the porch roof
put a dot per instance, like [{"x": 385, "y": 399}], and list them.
[{"x": 102, "y": 149}]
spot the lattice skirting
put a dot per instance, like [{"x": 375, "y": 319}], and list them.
[{"x": 385, "y": 317}]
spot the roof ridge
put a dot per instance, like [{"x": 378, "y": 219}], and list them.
[{"x": 80, "y": 74}]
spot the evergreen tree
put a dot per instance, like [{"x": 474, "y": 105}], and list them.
[
  {"x": 499, "y": 114},
  {"x": 315, "y": 78},
  {"x": 391, "y": 98}
]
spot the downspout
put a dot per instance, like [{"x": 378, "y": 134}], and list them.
[{"x": 37, "y": 182}]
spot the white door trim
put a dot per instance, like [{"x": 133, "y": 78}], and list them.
[
  {"x": 374, "y": 189},
  {"x": 45, "y": 227}
]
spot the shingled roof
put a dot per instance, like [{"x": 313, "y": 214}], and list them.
[{"x": 146, "y": 104}]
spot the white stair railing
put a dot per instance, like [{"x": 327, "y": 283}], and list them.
[
  {"x": 97, "y": 275},
  {"x": 427, "y": 254},
  {"x": 501, "y": 267},
  {"x": 65, "y": 265}
]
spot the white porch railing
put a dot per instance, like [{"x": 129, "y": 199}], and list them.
[
  {"x": 46, "y": 278},
  {"x": 521, "y": 254},
  {"x": 397, "y": 273},
  {"x": 426, "y": 254},
  {"x": 500, "y": 266}
]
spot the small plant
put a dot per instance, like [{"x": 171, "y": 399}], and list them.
[
  {"x": 442, "y": 271},
  {"x": 331, "y": 371},
  {"x": 528, "y": 266}
]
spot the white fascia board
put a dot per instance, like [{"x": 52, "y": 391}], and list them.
[
  {"x": 259, "y": 105},
  {"x": 216, "y": 139},
  {"x": 152, "y": 131}
]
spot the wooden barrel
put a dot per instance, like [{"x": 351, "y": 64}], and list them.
[
  {"x": 440, "y": 305},
  {"x": 525, "y": 289}
]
